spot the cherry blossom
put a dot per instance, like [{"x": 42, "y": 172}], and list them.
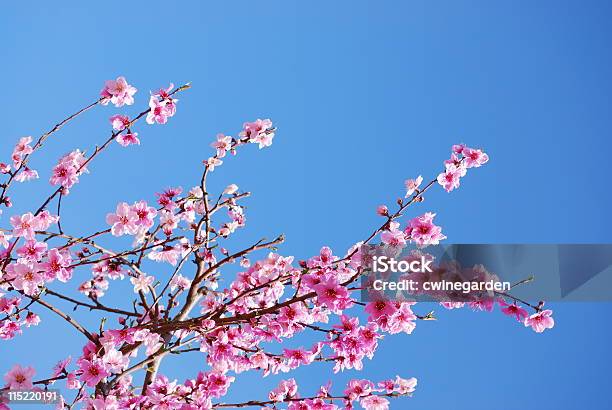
[
  {"x": 234, "y": 311},
  {"x": 412, "y": 185},
  {"x": 123, "y": 221},
  {"x": 118, "y": 92},
  {"x": 423, "y": 231},
  {"x": 540, "y": 321},
  {"x": 20, "y": 378},
  {"x": 119, "y": 122}
]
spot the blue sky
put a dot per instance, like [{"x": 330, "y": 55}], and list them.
[{"x": 365, "y": 95}]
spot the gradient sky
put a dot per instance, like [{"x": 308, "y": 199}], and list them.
[{"x": 365, "y": 95}]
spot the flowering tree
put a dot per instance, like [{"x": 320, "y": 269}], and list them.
[{"x": 177, "y": 304}]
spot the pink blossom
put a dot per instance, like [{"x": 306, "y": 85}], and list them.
[
  {"x": 32, "y": 250},
  {"x": 230, "y": 189},
  {"x": 382, "y": 210},
  {"x": 58, "y": 265},
  {"x": 423, "y": 232},
  {"x": 142, "y": 283},
  {"x": 358, "y": 388},
  {"x": 4, "y": 168},
  {"x": 145, "y": 214},
  {"x": 26, "y": 174},
  {"x": 217, "y": 383},
  {"x": 412, "y": 185},
  {"x": 374, "y": 403},
  {"x": 119, "y": 122},
  {"x": 45, "y": 220},
  {"x": 513, "y": 310},
  {"x": 449, "y": 179},
  {"x": 259, "y": 132},
  {"x": 379, "y": 307},
  {"x": 24, "y": 225},
  {"x": 118, "y": 91},
  {"x": 332, "y": 294},
  {"x": 123, "y": 221},
  {"x": 167, "y": 254},
  {"x": 26, "y": 276},
  {"x": 68, "y": 169},
  {"x": 160, "y": 111},
  {"x": 474, "y": 158},
  {"x": 127, "y": 139},
  {"x": 212, "y": 162},
  {"x": 20, "y": 378},
  {"x": 286, "y": 389},
  {"x": 4, "y": 238},
  {"x": 60, "y": 366},
  {"x": 21, "y": 150},
  {"x": 405, "y": 386},
  {"x": 393, "y": 236},
  {"x": 540, "y": 321},
  {"x": 32, "y": 319},
  {"x": 223, "y": 144},
  {"x": 180, "y": 282},
  {"x": 93, "y": 371}
]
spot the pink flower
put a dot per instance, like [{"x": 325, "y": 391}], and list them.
[
  {"x": 57, "y": 266},
  {"x": 145, "y": 214},
  {"x": 64, "y": 174},
  {"x": 374, "y": 403},
  {"x": 32, "y": 250},
  {"x": 26, "y": 174},
  {"x": 20, "y": 378},
  {"x": 118, "y": 91},
  {"x": 167, "y": 254},
  {"x": 26, "y": 277},
  {"x": 92, "y": 371},
  {"x": 119, "y": 122},
  {"x": 230, "y": 189},
  {"x": 4, "y": 238},
  {"x": 393, "y": 236},
  {"x": 222, "y": 145},
  {"x": 405, "y": 386},
  {"x": 332, "y": 294},
  {"x": 380, "y": 307},
  {"x": 423, "y": 232},
  {"x": 382, "y": 210},
  {"x": 474, "y": 158},
  {"x": 32, "y": 319},
  {"x": 68, "y": 169},
  {"x": 358, "y": 388},
  {"x": 286, "y": 389},
  {"x": 259, "y": 132},
  {"x": 212, "y": 162},
  {"x": 180, "y": 282},
  {"x": 513, "y": 310},
  {"x": 449, "y": 179},
  {"x": 24, "y": 225},
  {"x": 142, "y": 283},
  {"x": 45, "y": 219},
  {"x": 540, "y": 321},
  {"x": 297, "y": 357},
  {"x": 217, "y": 384},
  {"x": 412, "y": 185},
  {"x": 21, "y": 150},
  {"x": 160, "y": 111},
  {"x": 127, "y": 139},
  {"x": 123, "y": 221}
]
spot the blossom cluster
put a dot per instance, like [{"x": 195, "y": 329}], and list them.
[
  {"x": 456, "y": 167},
  {"x": 237, "y": 322}
]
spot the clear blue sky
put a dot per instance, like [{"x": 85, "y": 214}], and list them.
[{"x": 365, "y": 94}]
